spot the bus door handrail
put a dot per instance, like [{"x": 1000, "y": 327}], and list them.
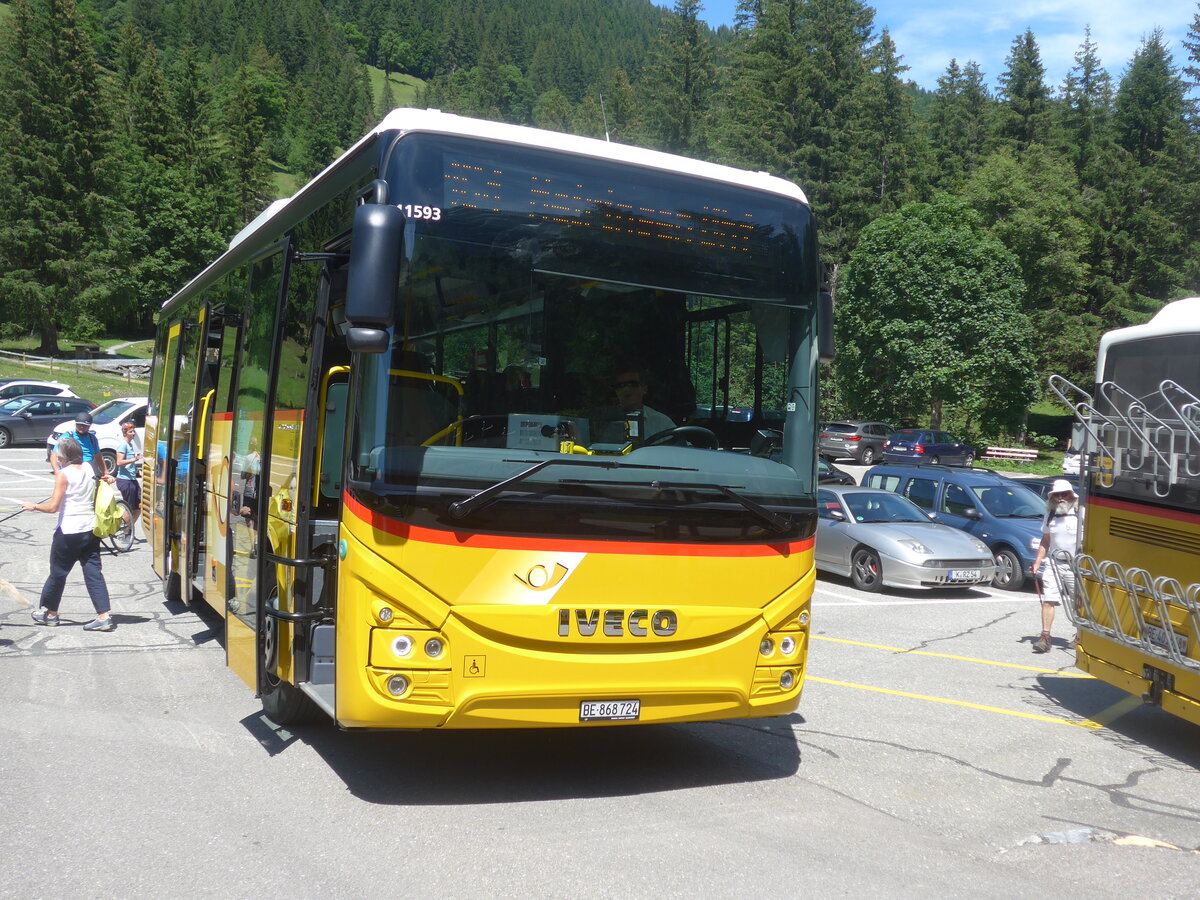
[{"x": 322, "y": 562}]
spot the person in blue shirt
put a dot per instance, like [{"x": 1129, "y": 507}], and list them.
[
  {"x": 129, "y": 468},
  {"x": 83, "y": 436}
]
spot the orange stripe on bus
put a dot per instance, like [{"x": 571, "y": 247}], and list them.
[
  {"x": 1148, "y": 508},
  {"x": 629, "y": 548}
]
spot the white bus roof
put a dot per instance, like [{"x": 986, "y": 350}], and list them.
[
  {"x": 432, "y": 120},
  {"x": 1180, "y": 317},
  {"x": 405, "y": 119}
]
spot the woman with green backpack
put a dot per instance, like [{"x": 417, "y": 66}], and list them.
[{"x": 74, "y": 541}]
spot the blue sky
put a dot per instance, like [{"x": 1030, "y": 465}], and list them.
[{"x": 929, "y": 33}]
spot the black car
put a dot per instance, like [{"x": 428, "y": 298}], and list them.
[
  {"x": 1041, "y": 486},
  {"x": 33, "y": 416},
  {"x": 828, "y": 473},
  {"x": 861, "y": 441}
]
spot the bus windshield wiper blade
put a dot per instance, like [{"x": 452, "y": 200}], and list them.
[
  {"x": 774, "y": 520},
  {"x": 460, "y": 509}
]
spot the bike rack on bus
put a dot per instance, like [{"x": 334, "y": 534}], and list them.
[
  {"x": 1138, "y": 586},
  {"x": 1189, "y": 417}
]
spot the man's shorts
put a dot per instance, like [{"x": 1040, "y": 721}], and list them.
[{"x": 131, "y": 493}]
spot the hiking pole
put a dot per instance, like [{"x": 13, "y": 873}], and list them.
[{"x": 18, "y": 512}]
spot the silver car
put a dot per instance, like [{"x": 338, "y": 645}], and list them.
[{"x": 877, "y": 538}]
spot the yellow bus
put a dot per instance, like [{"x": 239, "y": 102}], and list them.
[
  {"x": 411, "y": 446},
  {"x": 1138, "y": 569}
]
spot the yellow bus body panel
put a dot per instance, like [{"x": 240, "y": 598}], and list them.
[
  {"x": 498, "y": 613},
  {"x": 1116, "y": 530}
]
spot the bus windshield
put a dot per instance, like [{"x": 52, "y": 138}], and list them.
[{"x": 608, "y": 325}]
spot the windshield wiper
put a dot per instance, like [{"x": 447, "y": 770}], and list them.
[
  {"x": 774, "y": 520},
  {"x": 460, "y": 509}
]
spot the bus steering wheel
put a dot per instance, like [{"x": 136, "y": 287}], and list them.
[{"x": 692, "y": 435}]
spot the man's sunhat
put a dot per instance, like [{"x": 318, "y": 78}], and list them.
[{"x": 1062, "y": 486}]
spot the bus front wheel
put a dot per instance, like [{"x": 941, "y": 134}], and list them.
[{"x": 283, "y": 703}]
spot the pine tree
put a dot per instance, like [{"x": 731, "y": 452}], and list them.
[
  {"x": 55, "y": 174},
  {"x": 881, "y": 171},
  {"x": 959, "y": 123},
  {"x": 1024, "y": 97},
  {"x": 680, "y": 82},
  {"x": 1086, "y": 107},
  {"x": 246, "y": 161},
  {"x": 1150, "y": 100}
]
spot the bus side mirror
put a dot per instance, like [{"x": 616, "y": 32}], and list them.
[
  {"x": 375, "y": 251},
  {"x": 825, "y": 348}
]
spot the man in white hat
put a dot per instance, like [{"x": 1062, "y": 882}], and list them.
[{"x": 1060, "y": 528}]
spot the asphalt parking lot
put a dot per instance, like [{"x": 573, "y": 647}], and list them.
[{"x": 933, "y": 755}]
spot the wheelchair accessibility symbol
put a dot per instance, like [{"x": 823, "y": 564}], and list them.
[{"x": 474, "y": 666}]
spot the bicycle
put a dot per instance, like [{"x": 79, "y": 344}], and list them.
[{"x": 123, "y": 539}]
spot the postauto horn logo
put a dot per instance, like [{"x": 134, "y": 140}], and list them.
[{"x": 617, "y": 622}]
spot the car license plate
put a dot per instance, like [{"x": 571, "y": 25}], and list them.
[
  {"x": 1158, "y": 637},
  {"x": 958, "y": 576},
  {"x": 609, "y": 710}
]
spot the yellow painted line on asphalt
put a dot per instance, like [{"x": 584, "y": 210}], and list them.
[
  {"x": 1087, "y": 723},
  {"x": 985, "y": 662},
  {"x": 1107, "y": 716}
]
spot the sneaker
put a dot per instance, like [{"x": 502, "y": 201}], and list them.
[
  {"x": 43, "y": 617},
  {"x": 100, "y": 625},
  {"x": 1042, "y": 644}
]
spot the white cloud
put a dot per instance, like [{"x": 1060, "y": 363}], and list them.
[{"x": 932, "y": 32}]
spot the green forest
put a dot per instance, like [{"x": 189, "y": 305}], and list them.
[{"x": 978, "y": 237}]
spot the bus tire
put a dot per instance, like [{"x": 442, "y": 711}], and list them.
[{"x": 283, "y": 703}]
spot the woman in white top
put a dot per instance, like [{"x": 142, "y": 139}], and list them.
[{"x": 74, "y": 499}]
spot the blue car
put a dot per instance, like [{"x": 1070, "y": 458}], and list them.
[
  {"x": 924, "y": 445},
  {"x": 1000, "y": 512}
]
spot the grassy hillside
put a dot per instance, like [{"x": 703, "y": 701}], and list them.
[
  {"x": 404, "y": 92},
  {"x": 404, "y": 87}
]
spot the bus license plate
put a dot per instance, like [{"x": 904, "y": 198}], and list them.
[
  {"x": 1158, "y": 637},
  {"x": 961, "y": 575},
  {"x": 609, "y": 710}
]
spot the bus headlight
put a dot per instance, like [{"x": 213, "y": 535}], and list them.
[
  {"x": 434, "y": 648},
  {"x": 804, "y": 618},
  {"x": 397, "y": 685},
  {"x": 765, "y": 646},
  {"x": 402, "y": 646},
  {"x": 787, "y": 646},
  {"x": 787, "y": 679}
]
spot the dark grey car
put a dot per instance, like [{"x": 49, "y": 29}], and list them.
[
  {"x": 32, "y": 417},
  {"x": 861, "y": 441}
]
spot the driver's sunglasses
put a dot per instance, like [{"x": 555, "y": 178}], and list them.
[{"x": 626, "y": 384}]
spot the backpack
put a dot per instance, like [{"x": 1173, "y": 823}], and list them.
[{"x": 108, "y": 514}]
